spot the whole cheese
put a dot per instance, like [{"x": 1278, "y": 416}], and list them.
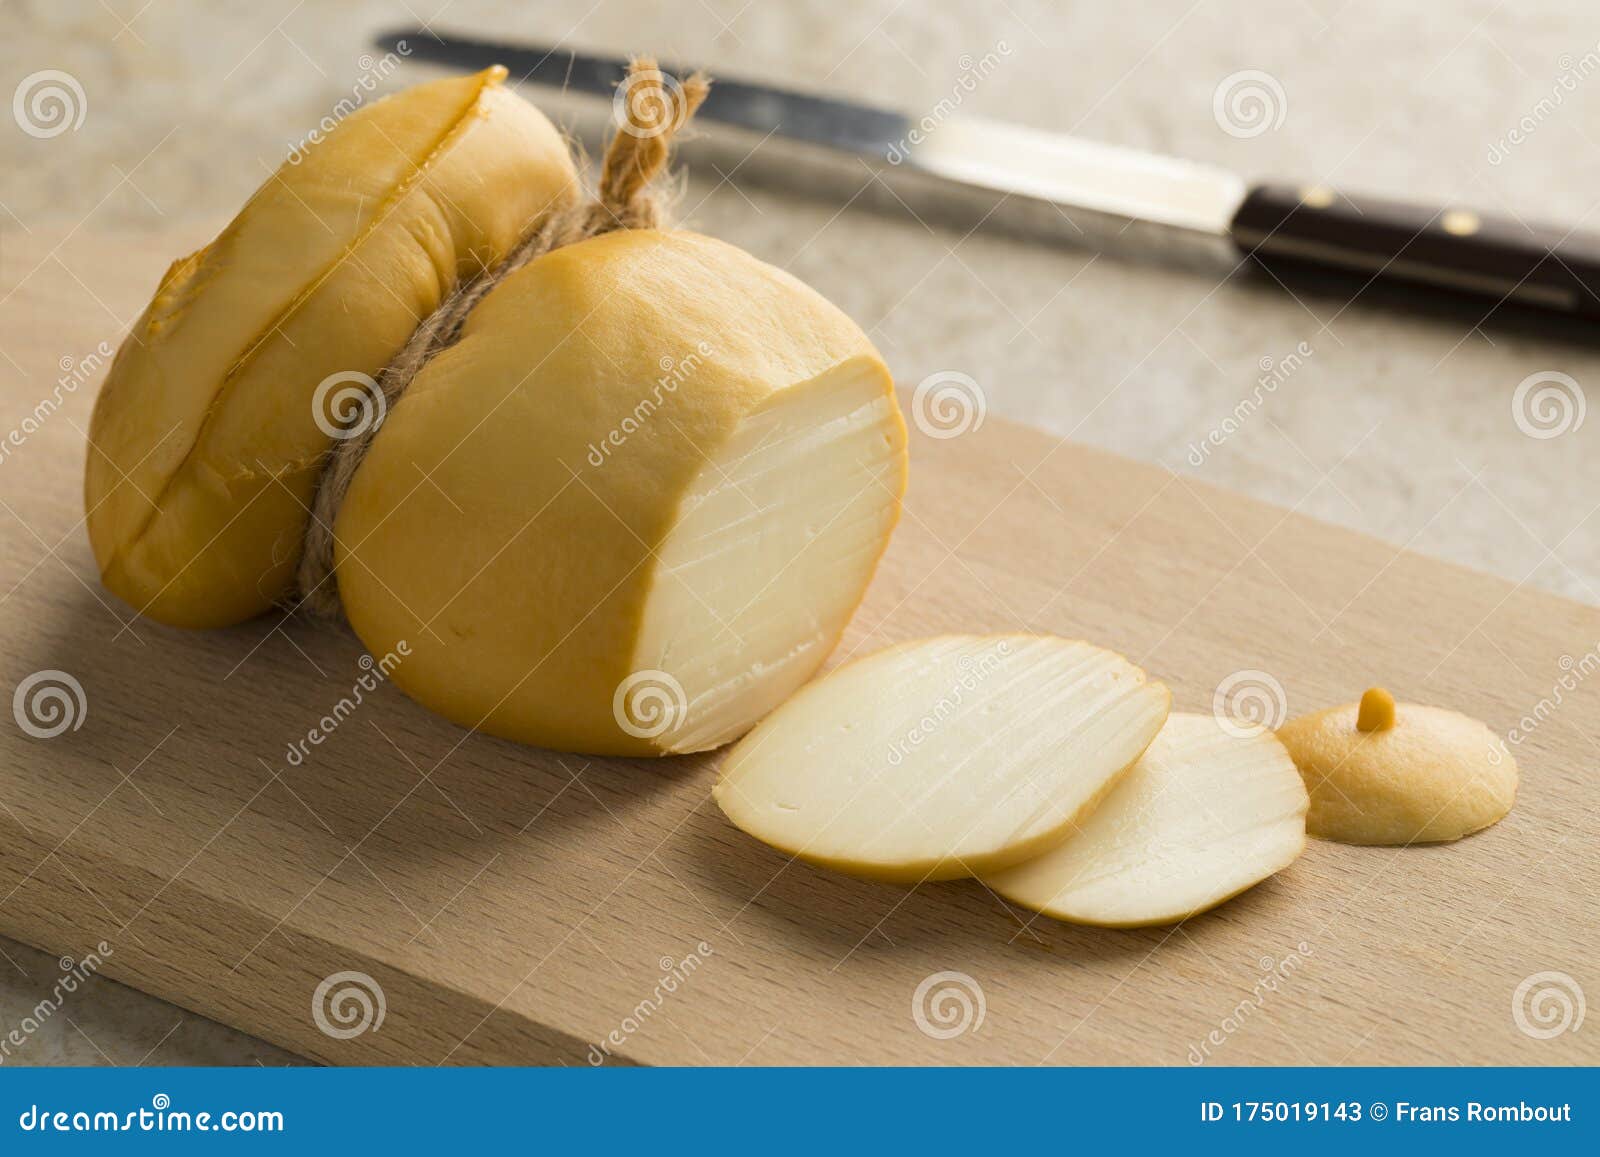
[
  {"x": 209, "y": 433},
  {"x": 1207, "y": 812},
  {"x": 946, "y": 757},
  {"x": 631, "y": 509}
]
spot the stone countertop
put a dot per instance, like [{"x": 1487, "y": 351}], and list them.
[{"x": 1398, "y": 424}]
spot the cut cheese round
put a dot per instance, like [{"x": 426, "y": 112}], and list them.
[
  {"x": 631, "y": 509},
  {"x": 942, "y": 758},
  {"x": 209, "y": 434},
  {"x": 1205, "y": 813}
]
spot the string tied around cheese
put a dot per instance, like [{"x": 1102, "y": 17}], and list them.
[{"x": 653, "y": 107}]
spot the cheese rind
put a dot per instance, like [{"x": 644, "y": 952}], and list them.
[
  {"x": 207, "y": 442},
  {"x": 1205, "y": 813},
  {"x": 944, "y": 757}
]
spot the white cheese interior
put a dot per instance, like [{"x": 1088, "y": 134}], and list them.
[
  {"x": 1202, "y": 816},
  {"x": 774, "y": 548},
  {"x": 942, "y": 758}
]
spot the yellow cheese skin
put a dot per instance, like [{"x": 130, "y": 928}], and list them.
[
  {"x": 1430, "y": 776},
  {"x": 513, "y": 521},
  {"x": 204, "y": 449}
]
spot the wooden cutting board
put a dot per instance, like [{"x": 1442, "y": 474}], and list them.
[{"x": 516, "y": 905}]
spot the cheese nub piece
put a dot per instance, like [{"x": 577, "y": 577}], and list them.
[
  {"x": 942, "y": 758},
  {"x": 631, "y": 510},
  {"x": 1206, "y": 813},
  {"x": 210, "y": 432},
  {"x": 1386, "y": 773}
]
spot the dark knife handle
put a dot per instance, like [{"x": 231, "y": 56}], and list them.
[{"x": 1494, "y": 258}]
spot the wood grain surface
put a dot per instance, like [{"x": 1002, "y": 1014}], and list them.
[{"x": 516, "y": 905}]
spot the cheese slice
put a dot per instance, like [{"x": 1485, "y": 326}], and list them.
[
  {"x": 1206, "y": 813},
  {"x": 942, "y": 758}
]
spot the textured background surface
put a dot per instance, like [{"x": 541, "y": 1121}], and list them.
[{"x": 1397, "y": 425}]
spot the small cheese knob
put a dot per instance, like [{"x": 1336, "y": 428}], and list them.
[{"x": 1377, "y": 710}]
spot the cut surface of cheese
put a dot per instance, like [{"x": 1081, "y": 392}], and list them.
[
  {"x": 774, "y": 541},
  {"x": 1205, "y": 813},
  {"x": 633, "y": 507},
  {"x": 944, "y": 757},
  {"x": 209, "y": 434},
  {"x": 1399, "y": 773}
]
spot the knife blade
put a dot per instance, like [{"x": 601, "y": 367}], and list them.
[{"x": 974, "y": 172}]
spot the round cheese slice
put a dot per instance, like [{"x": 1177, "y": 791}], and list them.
[
  {"x": 1206, "y": 813},
  {"x": 942, "y": 758}
]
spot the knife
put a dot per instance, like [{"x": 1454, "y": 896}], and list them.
[{"x": 971, "y": 171}]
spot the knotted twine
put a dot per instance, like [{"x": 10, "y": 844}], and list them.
[{"x": 652, "y": 107}]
